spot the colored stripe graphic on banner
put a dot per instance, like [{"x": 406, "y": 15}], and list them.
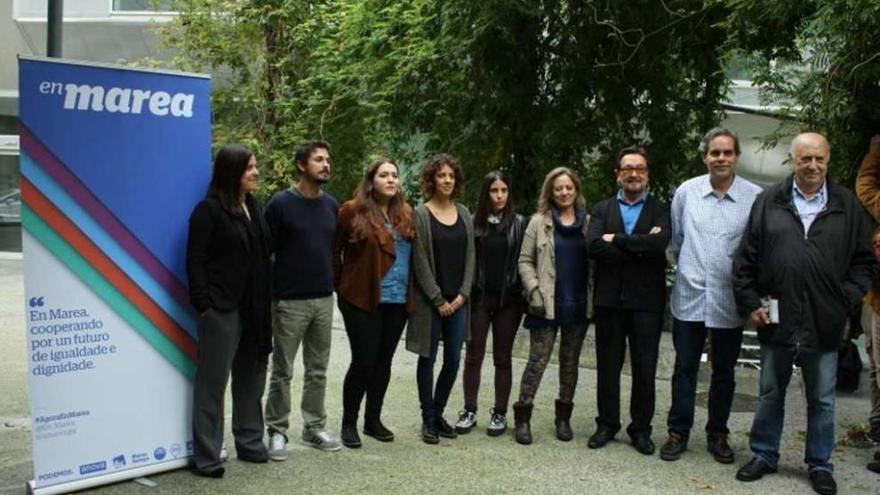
[
  {"x": 64, "y": 177},
  {"x": 58, "y": 197},
  {"x": 111, "y": 273},
  {"x": 105, "y": 290}
]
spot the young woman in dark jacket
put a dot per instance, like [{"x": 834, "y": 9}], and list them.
[
  {"x": 372, "y": 250},
  {"x": 496, "y": 300},
  {"x": 227, "y": 263}
]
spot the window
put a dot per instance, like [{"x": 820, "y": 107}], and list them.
[
  {"x": 10, "y": 203},
  {"x": 141, "y": 5}
]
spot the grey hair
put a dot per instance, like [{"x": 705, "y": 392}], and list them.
[{"x": 714, "y": 133}]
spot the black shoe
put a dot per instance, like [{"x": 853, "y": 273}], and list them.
[
  {"x": 674, "y": 446},
  {"x": 214, "y": 472},
  {"x": 874, "y": 433},
  {"x": 377, "y": 430},
  {"x": 823, "y": 482},
  {"x": 754, "y": 470},
  {"x": 429, "y": 434},
  {"x": 349, "y": 436},
  {"x": 256, "y": 458},
  {"x": 600, "y": 438},
  {"x": 874, "y": 466},
  {"x": 716, "y": 444},
  {"x": 444, "y": 429},
  {"x": 643, "y": 443}
]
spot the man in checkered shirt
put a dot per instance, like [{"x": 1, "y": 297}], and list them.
[{"x": 709, "y": 216}]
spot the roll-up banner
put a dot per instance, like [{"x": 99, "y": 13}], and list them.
[{"x": 113, "y": 159}]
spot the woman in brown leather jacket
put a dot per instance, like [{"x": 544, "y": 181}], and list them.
[{"x": 371, "y": 266}]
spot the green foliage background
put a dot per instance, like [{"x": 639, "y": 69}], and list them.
[{"x": 520, "y": 85}]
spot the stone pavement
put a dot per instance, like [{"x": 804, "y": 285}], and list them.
[{"x": 473, "y": 463}]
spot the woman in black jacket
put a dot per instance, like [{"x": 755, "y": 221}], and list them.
[
  {"x": 496, "y": 300},
  {"x": 227, "y": 262}
]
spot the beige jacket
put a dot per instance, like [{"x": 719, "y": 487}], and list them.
[{"x": 537, "y": 265}]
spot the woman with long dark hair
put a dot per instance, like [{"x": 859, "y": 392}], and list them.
[
  {"x": 371, "y": 266},
  {"x": 554, "y": 271},
  {"x": 228, "y": 266},
  {"x": 443, "y": 265},
  {"x": 496, "y": 300}
]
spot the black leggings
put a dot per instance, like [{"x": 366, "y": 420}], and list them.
[{"x": 373, "y": 337}]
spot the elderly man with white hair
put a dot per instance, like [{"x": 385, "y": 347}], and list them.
[{"x": 803, "y": 264}]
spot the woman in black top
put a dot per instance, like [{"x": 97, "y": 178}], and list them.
[
  {"x": 443, "y": 265},
  {"x": 496, "y": 300},
  {"x": 227, "y": 263}
]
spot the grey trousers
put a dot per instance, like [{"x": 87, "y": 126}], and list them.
[
  {"x": 308, "y": 322},
  {"x": 222, "y": 351}
]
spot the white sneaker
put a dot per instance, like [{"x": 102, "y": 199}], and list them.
[
  {"x": 277, "y": 447},
  {"x": 320, "y": 439},
  {"x": 466, "y": 422},
  {"x": 497, "y": 424}
]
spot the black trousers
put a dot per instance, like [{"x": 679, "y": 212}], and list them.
[
  {"x": 614, "y": 327},
  {"x": 222, "y": 351},
  {"x": 373, "y": 338}
]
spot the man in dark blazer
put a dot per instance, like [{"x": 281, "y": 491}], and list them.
[{"x": 627, "y": 237}]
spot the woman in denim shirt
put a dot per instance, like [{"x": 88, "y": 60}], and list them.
[{"x": 371, "y": 265}]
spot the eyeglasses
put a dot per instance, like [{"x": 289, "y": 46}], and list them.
[{"x": 633, "y": 170}]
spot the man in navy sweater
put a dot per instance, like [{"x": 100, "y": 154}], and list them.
[{"x": 302, "y": 221}]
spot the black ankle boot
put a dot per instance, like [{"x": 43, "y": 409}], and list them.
[
  {"x": 348, "y": 434},
  {"x": 563, "y": 418},
  {"x": 373, "y": 427},
  {"x": 429, "y": 432},
  {"x": 522, "y": 417}
]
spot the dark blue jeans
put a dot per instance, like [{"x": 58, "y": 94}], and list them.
[
  {"x": 452, "y": 330},
  {"x": 689, "y": 337},
  {"x": 819, "y": 371}
]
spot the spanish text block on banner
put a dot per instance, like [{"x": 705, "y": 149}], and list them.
[{"x": 112, "y": 162}]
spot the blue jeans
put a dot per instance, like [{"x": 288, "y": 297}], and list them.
[
  {"x": 689, "y": 337},
  {"x": 819, "y": 370},
  {"x": 452, "y": 330}
]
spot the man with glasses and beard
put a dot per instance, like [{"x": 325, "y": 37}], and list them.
[{"x": 627, "y": 237}]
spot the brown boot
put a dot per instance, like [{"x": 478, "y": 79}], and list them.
[
  {"x": 563, "y": 417},
  {"x": 522, "y": 417}
]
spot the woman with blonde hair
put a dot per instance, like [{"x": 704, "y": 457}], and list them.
[{"x": 554, "y": 272}]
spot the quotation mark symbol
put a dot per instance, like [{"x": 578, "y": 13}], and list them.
[{"x": 36, "y": 302}]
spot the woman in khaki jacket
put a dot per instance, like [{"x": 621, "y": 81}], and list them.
[
  {"x": 371, "y": 264},
  {"x": 554, "y": 272}
]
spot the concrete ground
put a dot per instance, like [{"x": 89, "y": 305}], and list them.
[{"x": 473, "y": 463}]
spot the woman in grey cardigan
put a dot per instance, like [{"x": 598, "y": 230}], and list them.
[
  {"x": 443, "y": 264},
  {"x": 554, "y": 272}
]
